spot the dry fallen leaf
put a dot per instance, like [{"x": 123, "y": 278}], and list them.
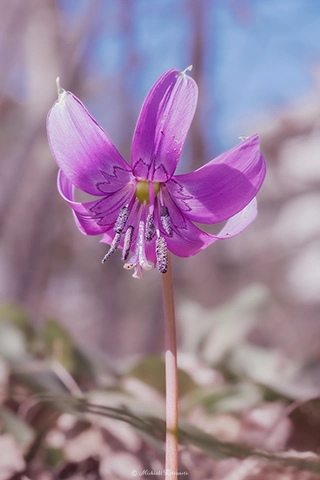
[
  {"x": 11, "y": 458},
  {"x": 256, "y": 469},
  {"x": 86, "y": 444}
]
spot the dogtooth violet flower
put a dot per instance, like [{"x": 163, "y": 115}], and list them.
[{"x": 144, "y": 208}]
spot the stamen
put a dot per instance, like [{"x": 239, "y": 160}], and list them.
[
  {"x": 121, "y": 220},
  {"x": 162, "y": 255},
  {"x": 165, "y": 220},
  {"x": 118, "y": 228},
  {"x": 113, "y": 247},
  {"x": 127, "y": 242},
  {"x": 150, "y": 228}
]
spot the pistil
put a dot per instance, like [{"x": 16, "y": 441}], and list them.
[{"x": 139, "y": 260}]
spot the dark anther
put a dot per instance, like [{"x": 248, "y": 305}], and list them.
[
  {"x": 150, "y": 228},
  {"x": 165, "y": 220},
  {"x": 121, "y": 220},
  {"x": 113, "y": 247},
  {"x": 162, "y": 255},
  {"x": 127, "y": 243}
]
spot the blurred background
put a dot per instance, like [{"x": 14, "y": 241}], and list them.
[{"x": 257, "y": 65}]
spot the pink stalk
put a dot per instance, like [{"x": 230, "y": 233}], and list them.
[{"x": 171, "y": 376}]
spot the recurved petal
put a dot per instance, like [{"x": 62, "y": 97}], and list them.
[
  {"x": 239, "y": 222},
  {"x": 223, "y": 187},
  {"x": 187, "y": 239},
  {"x": 98, "y": 216},
  {"x": 162, "y": 126},
  {"x": 83, "y": 150}
]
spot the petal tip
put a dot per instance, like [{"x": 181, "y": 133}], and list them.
[
  {"x": 184, "y": 72},
  {"x": 61, "y": 91}
]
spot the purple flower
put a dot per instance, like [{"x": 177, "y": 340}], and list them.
[{"x": 144, "y": 208}]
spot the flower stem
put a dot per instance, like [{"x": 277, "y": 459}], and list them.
[{"x": 171, "y": 376}]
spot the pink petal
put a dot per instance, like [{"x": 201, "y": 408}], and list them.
[
  {"x": 223, "y": 187},
  {"x": 99, "y": 216},
  {"x": 239, "y": 222},
  {"x": 162, "y": 126},
  {"x": 188, "y": 240},
  {"x": 83, "y": 150}
]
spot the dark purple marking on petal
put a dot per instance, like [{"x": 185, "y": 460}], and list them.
[
  {"x": 115, "y": 178},
  {"x": 143, "y": 168},
  {"x": 162, "y": 172},
  {"x": 98, "y": 216},
  {"x": 180, "y": 194},
  {"x": 106, "y": 210}
]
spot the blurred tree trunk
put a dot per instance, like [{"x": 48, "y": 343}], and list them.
[{"x": 198, "y": 14}]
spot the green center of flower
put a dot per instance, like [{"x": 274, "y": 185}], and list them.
[{"x": 143, "y": 189}]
